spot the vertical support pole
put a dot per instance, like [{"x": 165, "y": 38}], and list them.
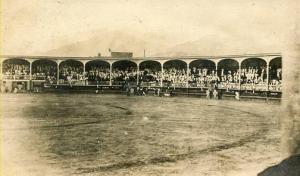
[
  {"x": 1, "y": 75},
  {"x": 240, "y": 75},
  {"x": 216, "y": 74},
  {"x": 57, "y": 74},
  {"x": 83, "y": 75},
  {"x": 268, "y": 77},
  {"x": 30, "y": 76},
  {"x": 110, "y": 74},
  {"x": 137, "y": 74},
  {"x": 1, "y": 70},
  {"x": 187, "y": 75},
  {"x": 83, "y": 67},
  {"x": 162, "y": 75},
  {"x": 30, "y": 70},
  {"x": 267, "y": 80}
]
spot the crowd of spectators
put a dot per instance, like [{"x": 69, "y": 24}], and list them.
[
  {"x": 175, "y": 77},
  {"x": 16, "y": 71},
  {"x": 202, "y": 77},
  {"x": 124, "y": 75},
  {"x": 229, "y": 79},
  {"x": 71, "y": 74},
  {"x": 253, "y": 75},
  {"x": 252, "y": 78},
  {"x": 275, "y": 80},
  {"x": 230, "y": 76},
  {"x": 98, "y": 75},
  {"x": 45, "y": 72},
  {"x": 150, "y": 76}
]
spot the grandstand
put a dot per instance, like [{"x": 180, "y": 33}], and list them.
[{"x": 258, "y": 75}]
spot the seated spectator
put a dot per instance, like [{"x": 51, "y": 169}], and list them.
[
  {"x": 16, "y": 71},
  {"x": 122, "y": 76},
  {"x": 98, "y": 75},
  {"x": 202, "y": 77},
  {"x": 174, "y": 77},
  {"x": 71, "y": 74},
  {"x": 45, "y": 72}
]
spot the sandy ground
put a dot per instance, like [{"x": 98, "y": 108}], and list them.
[{"x": 88, "y": 134}]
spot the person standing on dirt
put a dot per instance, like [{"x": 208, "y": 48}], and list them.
[
  {"x": 208, "y": 93},
  {"x": 127, "y": 88}
]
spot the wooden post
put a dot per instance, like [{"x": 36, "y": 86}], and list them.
[
  {"x": 83, "y": 75},
  {"x": 57, "y": 74},
  {"x": 30, "y": 71},
  {"x": 162, "y": 75},
  {"x": 137, "y": 74},
  {"x": 30, "y": 87},
  {"x": 187, "y": 75},
  {"x": 110, "y": 74},
  {"x": 268, "y": 75},
  {"x": 240, "y": 75},
  {"x": 1, "y": 70}
]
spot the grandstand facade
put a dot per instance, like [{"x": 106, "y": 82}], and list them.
[{"x": 252, "y": 72}]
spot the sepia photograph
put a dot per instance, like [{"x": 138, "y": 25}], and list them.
[{"x": 150, "y": 88}]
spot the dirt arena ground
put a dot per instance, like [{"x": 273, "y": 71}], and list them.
[{"x": 89, "y": 134}]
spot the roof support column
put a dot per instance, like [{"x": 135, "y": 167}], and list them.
[
  {"x": 30, "y": 71},
  {"x": 30, "y": 86},
  {"x": 162, "y": 75},
  {"x": 162, "y": 71},
  {"x": 57, "y": 74},
  {"x": 1, "y": 69},
  {"x": 268, "y": 70},
  {"x": 84, "y": 73},
  {"x": 187, "y": 74},
  {"x": 268, "y": 59},
  {"x": 110, "y": 73},
  {"x": 137, "y": 73},
  {"x": 240, "y": 74}
]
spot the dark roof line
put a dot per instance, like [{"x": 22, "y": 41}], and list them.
[{"x": 137, "y": 58}]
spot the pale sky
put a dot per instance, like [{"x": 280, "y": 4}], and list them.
[{"x": 33, "y": 27}]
